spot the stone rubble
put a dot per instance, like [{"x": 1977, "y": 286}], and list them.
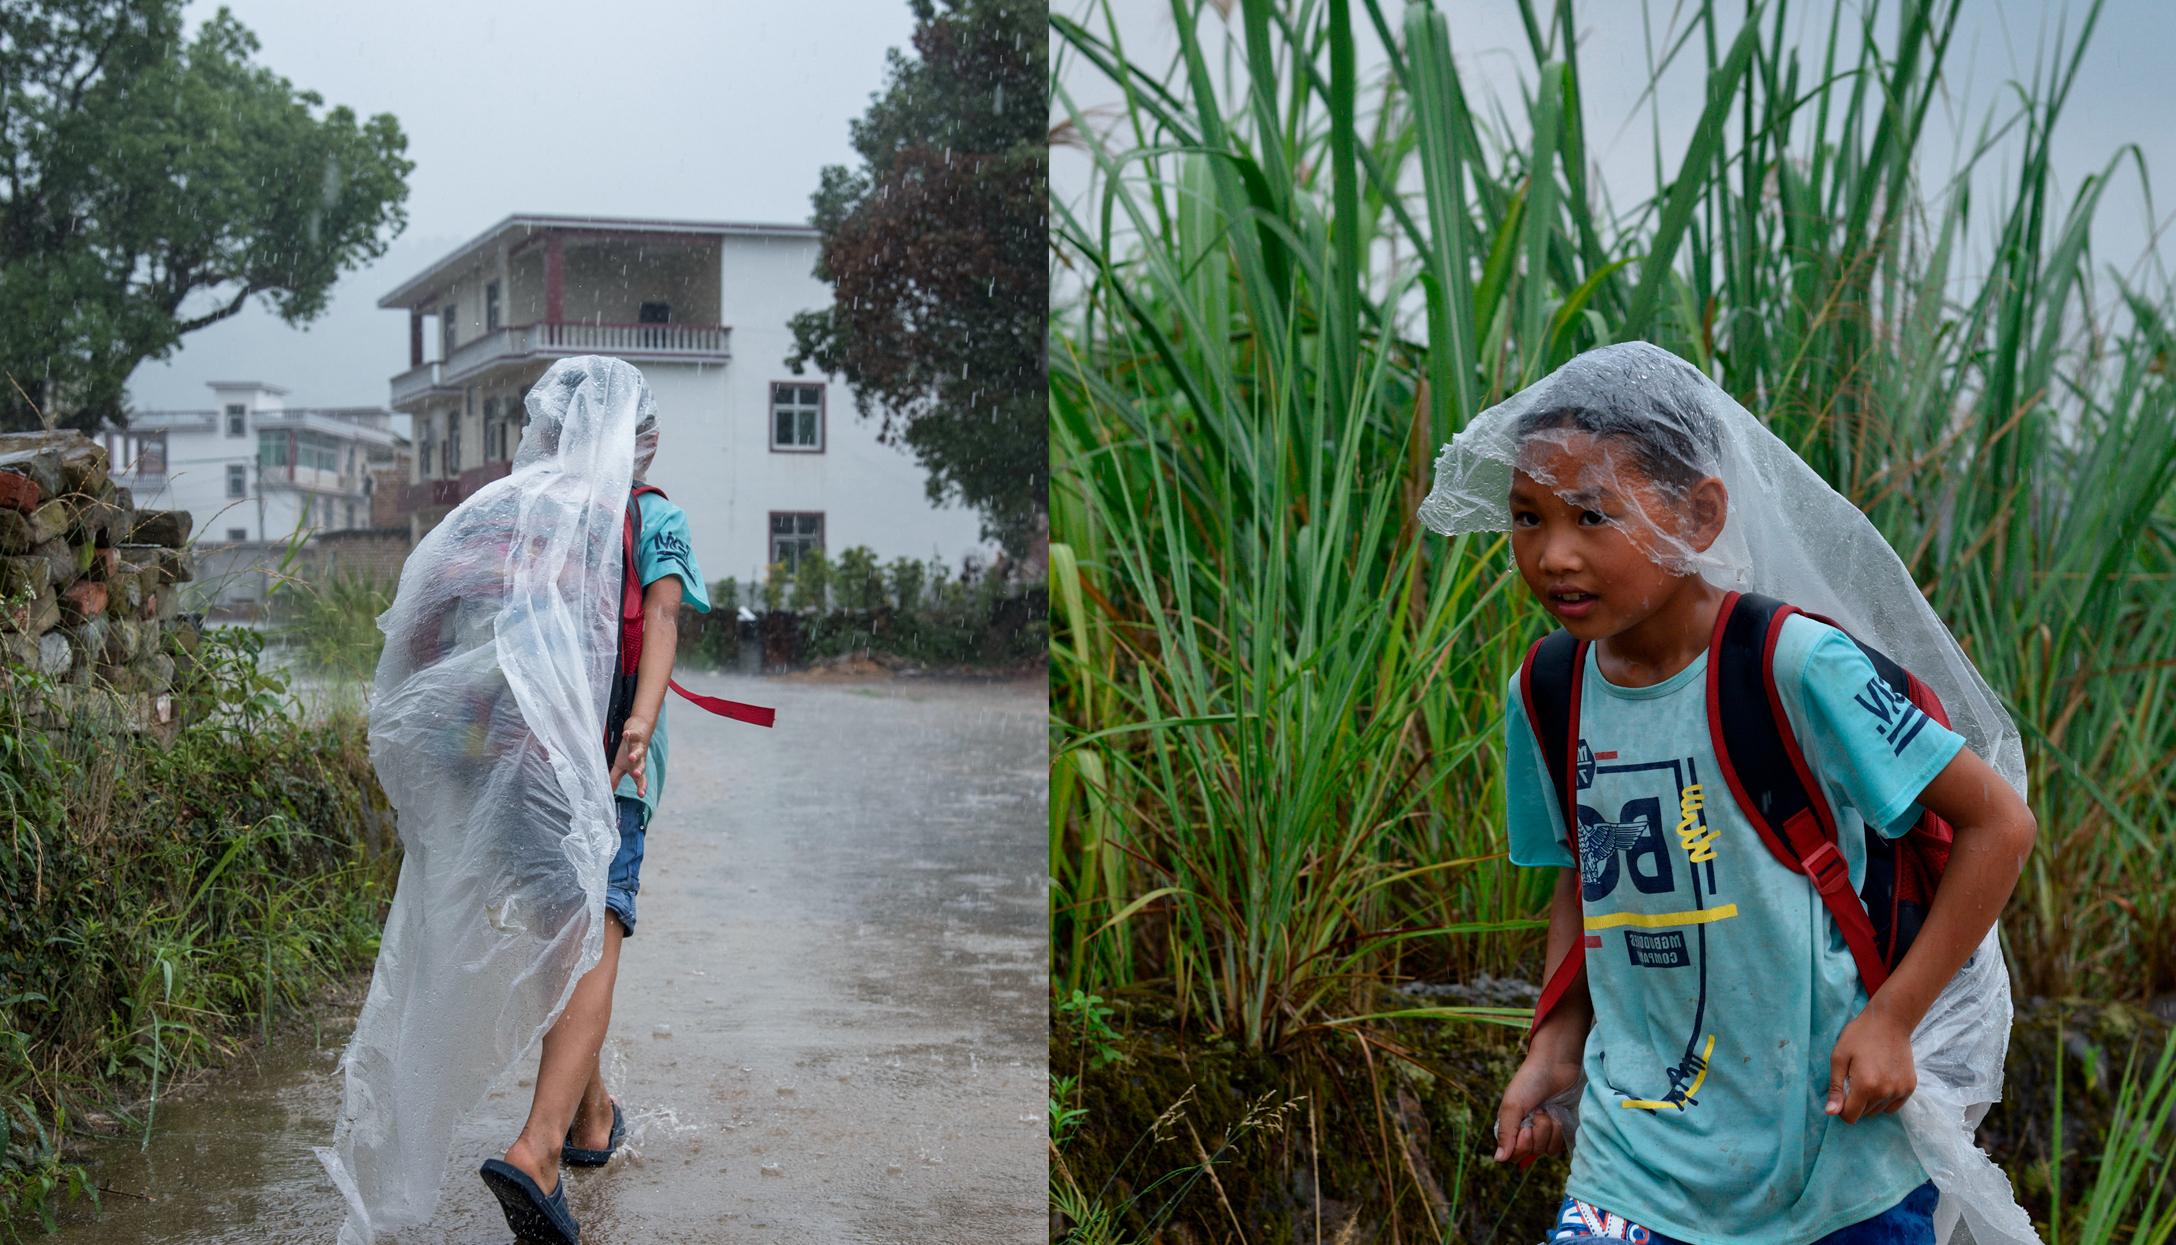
[{"x": 86, "y": 585}]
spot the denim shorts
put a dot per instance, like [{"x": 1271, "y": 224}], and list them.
[
  {"x": 625, "y": 877},
  {"x": 1909, "y": 1222}
]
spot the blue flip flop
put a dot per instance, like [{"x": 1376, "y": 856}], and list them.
[
  {"x": 576, "y": 1155},
  {"x": 535, "y": 1218}
]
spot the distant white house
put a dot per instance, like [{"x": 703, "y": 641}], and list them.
[
  {"x": 767, "y": 463},
  {"x": 251, "y": 469}
]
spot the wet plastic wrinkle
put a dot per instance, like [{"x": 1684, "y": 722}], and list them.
[
  {"x": 1786, "y": 535},
  {"x": 486, "y": 720}
]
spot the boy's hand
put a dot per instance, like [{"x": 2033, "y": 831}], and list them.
[
  {"x": 634, "y": 755},
  {"x": 1524, "y": 1131},
  {"x": 1871, "y": 1070}
]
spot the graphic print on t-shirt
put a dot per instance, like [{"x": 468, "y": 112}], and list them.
[{"x": 1624, "y": 841}]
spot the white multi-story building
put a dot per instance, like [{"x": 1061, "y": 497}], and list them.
[
  {"x": 767, "y": 463},
  {"x": 253, "y": 470}
]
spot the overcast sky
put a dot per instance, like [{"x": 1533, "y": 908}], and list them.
[
  {"x": 703, "y": 109},
  {"x": 2122, "y": 95}
]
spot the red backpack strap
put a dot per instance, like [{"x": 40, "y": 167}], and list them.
[
  {"x": 1767, "y": 771},
  {"x": 754, "y": 715},
  {"x": 631, "y": 628},
  {"x": 1902, "y": 873},
  {"x": 630, "y": 594},
  {"x": 1549, "y": 687}
]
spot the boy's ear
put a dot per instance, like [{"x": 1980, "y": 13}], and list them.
[{"x": 1710, "y": 508}]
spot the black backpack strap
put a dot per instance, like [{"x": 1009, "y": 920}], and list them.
[
  {"x": 1548, "y": 684},
  {"x": 1549, "y": 688},
  {"x": 1767, "y": 771},
  {"x": 1755, "y": 758}
]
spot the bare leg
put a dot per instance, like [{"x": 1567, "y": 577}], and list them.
[
  {"x": 568, "y": 1072},
  {"x": 593, "y": 1115}
]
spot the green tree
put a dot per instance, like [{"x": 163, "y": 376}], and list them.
[
  {"x": 935, "y": 249},
  {"x": 154, "y": 185}
]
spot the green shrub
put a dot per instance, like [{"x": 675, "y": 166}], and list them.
[
  {"x": 775, "y": 584},
  {"x": 163, "y": 901},
  {"x": 812, "y": 581},
  {"x": 859, "y": 584}
]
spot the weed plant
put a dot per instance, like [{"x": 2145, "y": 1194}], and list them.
[
  {"x": 330, "y": 623},
  {"x": 1277, "y": 703},
  {"x": 163, "y": 903}
]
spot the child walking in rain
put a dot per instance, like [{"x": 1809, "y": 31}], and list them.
[
  {"x": 1775, "y": 1005},
  {"x": 517, "y": 726},
  {"x": 572, "y": 1116}
]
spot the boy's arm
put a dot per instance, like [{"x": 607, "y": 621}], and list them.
[
  {"x": 660, "y": 638},
  {"x": 1564, "y": 1034},
  {"x": 1558, "y": 1047},
  {"x": 1994, "y": 832}
]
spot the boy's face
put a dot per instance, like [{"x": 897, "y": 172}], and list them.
[{"x": 1593, "y": 534}]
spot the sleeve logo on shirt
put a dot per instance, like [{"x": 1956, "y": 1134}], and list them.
[
  {"x": 1896, "y": 718},
  {"x": 669, "y": 544}
]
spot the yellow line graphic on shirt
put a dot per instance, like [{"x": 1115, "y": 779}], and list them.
[
  {"x": 1677, "y": 1101},
  {"x": 1658, "y": 920}
]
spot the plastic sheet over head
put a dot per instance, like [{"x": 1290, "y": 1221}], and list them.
[
  {"x": 487, "y": 724},
  {"x": 1633, "y": 430}
]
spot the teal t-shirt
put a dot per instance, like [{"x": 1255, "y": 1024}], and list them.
[
  {"x": 1720, "y": 981},
  {"x": 662, "y": 548}
]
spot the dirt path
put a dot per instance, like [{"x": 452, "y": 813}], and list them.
[{"x": 831, "y": 1026}]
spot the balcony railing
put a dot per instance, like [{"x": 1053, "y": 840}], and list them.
[
  {"x": 697, "y": 340},
  {"x": 550, "y": 339},
  {"x": 414, "y": 383}
]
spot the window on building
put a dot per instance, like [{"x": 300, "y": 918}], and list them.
[
  {"x": 237, "y": 534},
  {"x": 797, "y": 417},
  {"x": 315, "y": 449},
  {"x": 237, "y": 419},
  {"x": 494, "y": 432},
  {"x": 491, "y": 305},
  {"x": 653, "y": 313},
  {"x": 351, "y": 514},
  {"x": 453, "y": 447},
  {"x": 445, "y": 332},
  {"x": 237, "y": 480},
  {"x": 794, "y": 534},
  {"x": 272, "y": 449},
  {"x": 151, "y": 455}
]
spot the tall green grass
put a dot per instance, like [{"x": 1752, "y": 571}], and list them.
[{"x": 1277, "y": 704}]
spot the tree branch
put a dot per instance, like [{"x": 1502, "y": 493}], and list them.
[
  {"x": 191, "y": 326},
  {"x": 75, "y": 93}
]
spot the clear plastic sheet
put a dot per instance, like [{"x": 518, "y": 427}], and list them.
[
  {"x": 1787, "y": 535},
  {"x": 487, "y": 724}
]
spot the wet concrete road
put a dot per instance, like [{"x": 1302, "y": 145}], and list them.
[{"x": 831, "y": 1026}]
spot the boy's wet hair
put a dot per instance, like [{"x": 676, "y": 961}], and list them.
[{"x": 1674, "y": 444}]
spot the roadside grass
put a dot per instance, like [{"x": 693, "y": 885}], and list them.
[{"x": 164, "y": 904}]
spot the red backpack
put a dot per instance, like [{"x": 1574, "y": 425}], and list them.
[
  {"x": 1767, "y": 773},
  {"x": 623, "y": 683}
]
